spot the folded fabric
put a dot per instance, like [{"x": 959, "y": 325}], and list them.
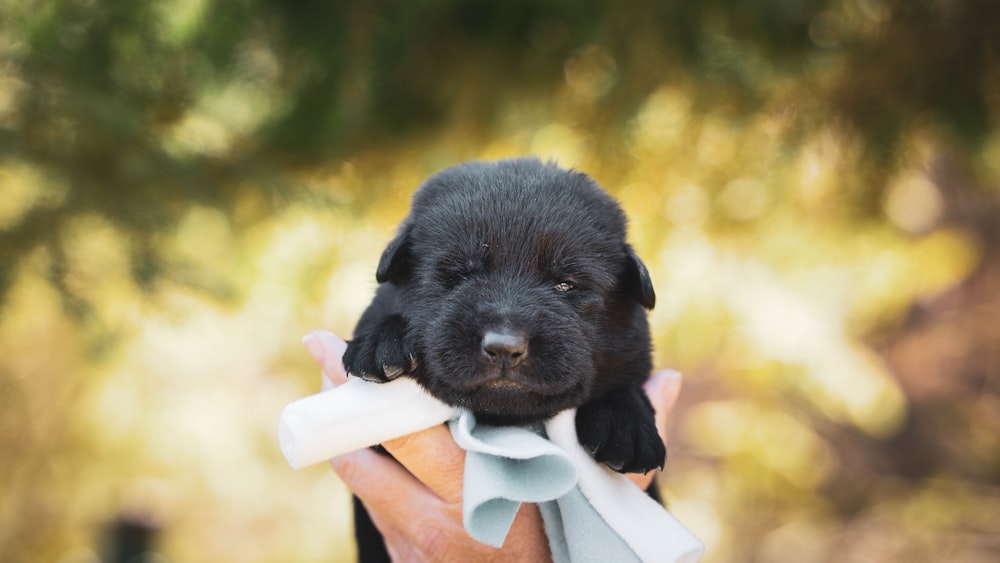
[
  {"x": 590, "y": 513},
  {"x": 645, "y": 525},
  {"x": 355, "y": 415},
  {"x": 505, "y": 466}
]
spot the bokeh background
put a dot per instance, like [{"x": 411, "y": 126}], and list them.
[{"x": 189, "y": 186}]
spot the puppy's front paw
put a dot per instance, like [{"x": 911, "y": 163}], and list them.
[
  {"x": 618, "y": 429},
  {"x": 381, "y": 353}
]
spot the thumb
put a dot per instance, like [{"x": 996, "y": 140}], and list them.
[
  {"x": 328, "y": 351},
  {"x": 663, "y": 388}
]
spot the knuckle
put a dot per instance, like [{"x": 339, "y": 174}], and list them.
[
  {"x": 347, "y": 468},
  {"x": 433, "y": 541},
  {"x": 402, "y": 445}
]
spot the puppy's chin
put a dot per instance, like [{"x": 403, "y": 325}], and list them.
[
  {"x": 506, "y": 401},
  {"x": 557, "y": 374}
]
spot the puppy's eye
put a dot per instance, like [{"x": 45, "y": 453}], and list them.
[
  {"x": 451, "y": 280},
  {"x": 563, "y": 286}
]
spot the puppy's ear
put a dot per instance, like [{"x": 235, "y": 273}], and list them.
[
  {"x": 397, "y": 261},
  {"x": 636, "y": 280}
]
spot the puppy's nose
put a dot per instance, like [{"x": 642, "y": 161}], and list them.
[{"x": 505, "y": 349}]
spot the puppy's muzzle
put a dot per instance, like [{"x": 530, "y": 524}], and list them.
[{"x": 505, "y": 349}]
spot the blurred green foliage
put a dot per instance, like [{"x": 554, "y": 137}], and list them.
[{"x": 187, "y": 185}]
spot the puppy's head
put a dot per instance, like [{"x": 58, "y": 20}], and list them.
[{"x": 518, "y": 287}]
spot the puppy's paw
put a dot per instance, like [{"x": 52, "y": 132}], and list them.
[
  {"x": 618, "y": 429},
  {"x": 381, "y": 353}
]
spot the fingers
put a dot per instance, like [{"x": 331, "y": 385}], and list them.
[
  {"x": 662, "y": 388},
  {"x": 526, "y": 540},
  {"x": 418, "y": 526},
  {"x": 433, "y": 457},
  {"x": 397, "y": 544},
  {"x": 387, "y": 489},
  {"x": 327, "y": 349}
]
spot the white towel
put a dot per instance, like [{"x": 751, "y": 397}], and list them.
[{"x": 567, "y": 484}]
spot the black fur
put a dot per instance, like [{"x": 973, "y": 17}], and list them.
[{"x": 510, "y": 291}]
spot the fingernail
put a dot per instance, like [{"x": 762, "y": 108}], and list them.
[
  {"x": 670, "y": 387},
  {"x": 327, "y": 349},
  {"x": 314, "y": 347},
  {"x": 670, "y": 373}
]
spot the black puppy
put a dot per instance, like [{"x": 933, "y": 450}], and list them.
[{"x": 510, "y": 291}]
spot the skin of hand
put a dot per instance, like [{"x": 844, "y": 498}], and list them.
[{"x": 416, "y": 499}]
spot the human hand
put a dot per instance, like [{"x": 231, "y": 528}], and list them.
[{"x": 416, "y": 500}]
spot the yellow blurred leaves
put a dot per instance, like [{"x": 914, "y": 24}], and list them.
[
  {"x": 559, "y": 143},
  {"x": 662, "y": 117},
  {"x": 778, "y": 324},
  {"x": 785, "y": 236},
  {"x": 913, "y": 202},
  {"x": 204, "y": 236},
  {"x": 687, "y": 206},
  {"x": 777, "y": 440},
  {"x": 98, "y": 267},
  {"x": 180, "y": 19},
  {"x": 590, "y": 72},
  {"x": 744, "y": 199},
  {"x": 24, "y": 187}
]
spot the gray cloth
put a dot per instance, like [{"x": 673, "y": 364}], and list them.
[{"x": 505, "y": 466}]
